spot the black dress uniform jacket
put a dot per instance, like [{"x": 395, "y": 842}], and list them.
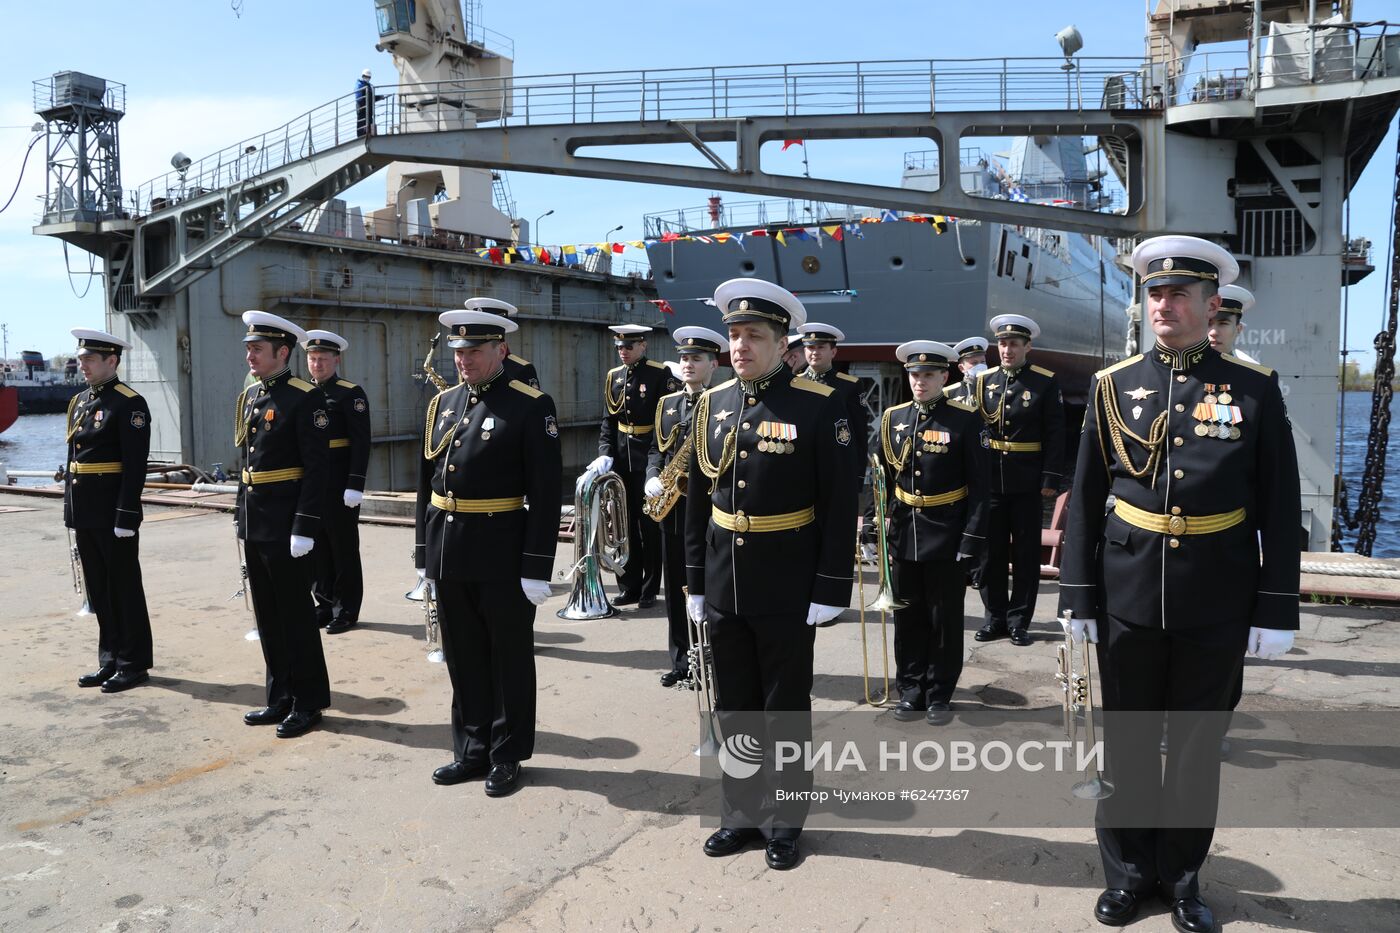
[
  {"x": 107, "y": 424},
  {"x": 848, "y": 389},
  {"x": 933, "y": 450},
  {"x": 348, "y": 437},
  {"x": 630, "y": 394},
  {"x": 1183, "y": 580},
  {"x": 282, "y": 424},
  {"x": 962, "y": 391},
  {"x": 499, "y": 440},
  {"x": 517, "y": 367},
  {"x": 1022, "y": 406},
  {"x": 768, "y": 572}
]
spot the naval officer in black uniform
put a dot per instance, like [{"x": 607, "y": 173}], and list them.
[
  {"x": 1227, "y": 322},
  {"x": 1025, "y": 439},
  {"x": 698, "y": 349},
  {"x": 282, "y": 431},
  {"x": 630, "y": 393},
  {"x": 931, "y": 453},
  {"x": 516, "y": 367},
  {"x": 1196, "y": 563},
  {"x": 819, "y": 345},
  {"x": 769, "y": 514},
  {"x": 972, "y": 359},
  {"x": 109, "y": 439},
  {"x": 339, "y": 585},
  {"x": 486, "y": 522}
]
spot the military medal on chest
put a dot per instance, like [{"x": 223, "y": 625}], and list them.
[
  {"x": 487, "y": 426},
  {"x": 776, "y": 437},
  {"x": 935, "y": 442},
  {"x": 1217, "y": 419}
]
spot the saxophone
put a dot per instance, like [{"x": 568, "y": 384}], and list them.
[
  {"x": 674, "y": 480},
  {"x": 428, "y": 369}
]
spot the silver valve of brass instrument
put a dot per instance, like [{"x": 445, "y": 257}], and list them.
[{"x": 1075, "y": 676}]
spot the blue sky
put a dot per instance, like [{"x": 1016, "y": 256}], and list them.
[{"x": 198, "y": 78}]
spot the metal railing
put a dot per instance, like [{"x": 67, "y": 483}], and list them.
[
  {"x": 71, "y": 87},
  {"x": 790, "y": 90},
  {"x": 1273, "y": 231},
  {"x": 760, "y": 213},
  {"x": 929, "y": 159},
  {"x": 1322, "y": 55}
]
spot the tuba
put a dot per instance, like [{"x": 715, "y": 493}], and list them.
[
  {"x": 884, "y": 602},
  {"x": 428, "y": 369},
  {"x": 600, "y": 543},
  {"x": 1076, "y": 679}
]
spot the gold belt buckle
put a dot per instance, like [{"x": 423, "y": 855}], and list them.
[
  {"x": 1176, "y": 525},
  {"x": 741, "y": 522}
]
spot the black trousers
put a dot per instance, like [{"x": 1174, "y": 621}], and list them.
[
  {"x": 1013, "y": 537},
  {"x": 673, "y": 550},
  {"x": 643, "y": 571},
  {"x": 112, "y": 575},
  {"x": 763, "y": 683},
  {"x": 290, "y": 638},
  {"x": 928, "y": 632},
  {"x": 1191, "y": 674},
  {"x": 488, "y": 641},
  {"x": 340, "y": 583}
]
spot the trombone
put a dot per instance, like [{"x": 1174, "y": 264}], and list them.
[
  {"x": 1076, "y": 679},
  {"x": 701, "y": 659},
  {"x": 884, "y": 602}
]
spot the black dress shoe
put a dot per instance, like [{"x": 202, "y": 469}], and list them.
[
  {"x": 1020, "y": 637},
  {"x": 781, "y": 854},
  {"x": 724, "y": 842},
  {"x": 939, "y": 714},
  {"x": 340, "y": 625},
  {"x": 323, "y": 621},
  {"x": 990, "y": 632},
  {"x": 457, "y": 772},
  {"x": 267, "y": 716},
  {"x": 503, "y": 778},
  {"x": 125, "y": 680},
  {"x": 298, "y": 722},
  {"x": 908, "y": 711},
  {"x": 98, "y": 677},
  {"x": 829, "y": 622},
  {"x": 1116, "y": 907},
  {"x": 1191, "y": 915},
  {"x": 671, "y": 678},
  {"x": 646, "y": 602},
  {"x": 626, "y": 599}
]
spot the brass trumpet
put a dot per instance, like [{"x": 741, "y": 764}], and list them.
[
  {"x": 1076, "y": 679},
  {"x": 75, "y": 564},
  {"x": 701, "y": 659},
  {"x": 884, "y": 602},
  {"x": 425, "y": 593}
]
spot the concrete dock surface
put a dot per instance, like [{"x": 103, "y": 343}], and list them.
[{"x": 158, "y": 809}]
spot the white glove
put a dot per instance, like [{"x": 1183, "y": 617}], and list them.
[
  {"x": 124, "y": 532},
  {"x": 653, "y": 487},
  {"x": 1269, "y": 643},
  {"x": 302, "y": 546},
  {"x": 1078, "y": 629},
  {"x": 353, "y": 498},
  {"x": 817, "y": 613},
  {"x": 536, "y": 591},
  {"x": 695, "y": 608},
  {"x": 601, "y": 465}
]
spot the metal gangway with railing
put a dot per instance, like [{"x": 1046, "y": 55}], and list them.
[{"x": 189, "y": 221}]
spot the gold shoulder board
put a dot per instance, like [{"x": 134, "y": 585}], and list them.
[
  {"x": 960, "y": 404},
  {"x": 529, "y": 390},
  {"x": 722, "y": 385},
  {"x": 301, "y": 384},
  {"x": 807, "y": 385},
  {"x": 1041, "y": 369},
  {"x": 1257, "y": 367},
  {"x": 126, "y": 390},
  {"x": 656, "y": 364},
  {"x": 1117, "y": 366},
  {"x": 847, "y": 376},
  {"x": 519, "y": 359},
  {"x": 345, "y": 384}
]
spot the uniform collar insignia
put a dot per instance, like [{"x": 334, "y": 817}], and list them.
[
  {"x": 763, "y": 382},
  {"x": 272, "y": 380},
  {"x": 1182, "y": 359},
  {"x": 926, "y": 407},
  {"x": 490, "y": 380},
  {"x": 97, "y": 390}
]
